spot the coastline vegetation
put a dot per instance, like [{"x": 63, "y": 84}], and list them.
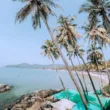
[{"x": 90, "y": 66}]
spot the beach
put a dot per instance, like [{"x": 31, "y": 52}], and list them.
[{"x": 101, "y": 75}]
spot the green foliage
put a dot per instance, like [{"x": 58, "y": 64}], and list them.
[
  {"x": 97, "y": 11},
  {"x": 94, "y": 56},
  {"x": 66, "y": 32},
  {"x": 50, "y": 50},
  {"x": 38, "y": 9}
]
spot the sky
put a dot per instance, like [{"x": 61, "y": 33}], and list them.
[{"x": 20, "y": 43}]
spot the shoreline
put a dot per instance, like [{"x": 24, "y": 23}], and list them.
[
  {"x": 96, "y": 74},
  {"x": 100, "y": 75},
  {"x": 103, "y": 75}
]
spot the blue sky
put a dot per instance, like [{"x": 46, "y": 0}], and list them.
[{"x": 20, "y": 43}]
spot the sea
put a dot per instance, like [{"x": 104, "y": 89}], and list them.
[{"x": 25, "y": 81}]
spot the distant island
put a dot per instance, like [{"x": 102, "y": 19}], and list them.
[
  {"x": 35, "y": 66},
  {"x": 60, "y": 66}
]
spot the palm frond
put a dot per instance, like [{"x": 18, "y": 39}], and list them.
[
  {"x": 24, "y": 12},
  {"x": 86, "y": 7},
  {"x": 96, "y": 10},
  {"x": 50, "y": 50},
  {"x": 100, "y": 34},
  {"x": 51, "y": 3},
  {"x": 36, "y": 20}
]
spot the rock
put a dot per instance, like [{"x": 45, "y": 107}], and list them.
[
  {"x": 34, "y": 101},
  {"x": 18, "y": 106},
  {"x": 42, "y": 93},
  {"x": 4, "y": 88},
  {"x": 26, "y": 98},
  {"x": 8, "y": 88},
  {"x": 25, "y": 105},
  {"x": 17, "y": 109},
  {"x": 51, "y": 99},
  {"x": 46, "y": 104},
  {"x": 34, "y": 97},
  {"x": 47, "y": 93}
]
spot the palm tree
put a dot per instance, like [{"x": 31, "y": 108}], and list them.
[
  {"x": 66, "y": 35},
  {"x": 66, "y": 32},
  {"x": 70, "y": 51},
  {"x": 79, "y": 52},
  {"x": 51, "y": 51},
  {"x": 63, "y": 33},
  {"x": 95, "y": 58},
  {"x": 97, "y": 9},
  {"x": 99, "y": 36},
  {"x": 41, "y": 9}
]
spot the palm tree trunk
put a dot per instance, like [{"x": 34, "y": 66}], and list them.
[
  {"x": 108, "y": 74},
  {"x": 99, "y": 72},
  {"x": 53, "y": 63},
  {"x": 83, "y": 76},
  {"x": 104, "y": 59},
  {"x": 64, "y": 60},
  {"x": 92, "y": 82},
  {"x": 79, "y": 80},
  {"x": 59, "y": 78}
]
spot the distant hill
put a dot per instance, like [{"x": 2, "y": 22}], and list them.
[
  {"x": 35, "y": 66},
  {"x": 60, "y": 66}
]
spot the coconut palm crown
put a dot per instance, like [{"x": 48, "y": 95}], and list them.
[
  {"x": 66, "y": 33},
  {"x": 101, "y": 33},
  {"x": 98, "y": 35},
  {"x": 50, "y": 50},
  {"x": 94, "y": 56},
  {"x": 76, "y": 51},
  {"x": 36, "y": 8},
  {"x": 97, "y": 10}
]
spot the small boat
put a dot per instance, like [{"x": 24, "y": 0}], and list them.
[{"x": 93, "y": 103}]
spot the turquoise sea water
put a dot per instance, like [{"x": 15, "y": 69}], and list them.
[{"x": 29, "y": 80}]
